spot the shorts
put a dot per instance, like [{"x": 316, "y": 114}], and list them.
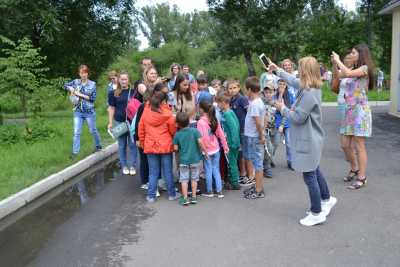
[
  {"x": 189, "y": 172},
  {"x": 253, "y": 151}
]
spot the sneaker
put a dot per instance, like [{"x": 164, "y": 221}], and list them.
[
  {"x": 73, "y": 156},
  {"x": 98, "y": 148},
  {"x": 158, "y": 193},
  {"x": 208, "y": 194},
  {"x": 311, "y": 219},
  {"x": 193, "y": 200},
  {"x": 249, "y": 190},
  {"x": 150, "y": 199},
  {"x": 289, "y": 165},
  {"x": 220, "y": 195},
  {"x": 173, "y": 198},
  {"x": 242, "y": 179},
  {"x": 268, "y": 175},
  {"x": 125, "y": 170},
  {"x": 144, "y": 186},
  {"x": 254, "y": 195},
  {"x": 184, "y": 201},
  {"x": 327, "y": 206},
  {"x": 132, "y": 171},
  {"x": 250, "y": 181}
]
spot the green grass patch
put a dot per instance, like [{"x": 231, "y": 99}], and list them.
[
  {"x": 373, "y": 95},
  {"x": 23, "y": 164}
]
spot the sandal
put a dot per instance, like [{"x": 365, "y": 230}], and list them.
[
  {"x": 351, "y": 176},
  {"x": 358, "y": 183}
]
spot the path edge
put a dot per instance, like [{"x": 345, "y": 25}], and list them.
[{"x": 18, "y": 200}]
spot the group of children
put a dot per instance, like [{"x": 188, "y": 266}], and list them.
[{"x": 233, "y": 132}]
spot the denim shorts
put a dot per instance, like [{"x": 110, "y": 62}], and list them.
[
  {"x": 189, "y": 172},
  {"x": 253, "y": 151}
]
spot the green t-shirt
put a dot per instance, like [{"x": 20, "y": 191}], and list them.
[{"x": 187, "y": 141}]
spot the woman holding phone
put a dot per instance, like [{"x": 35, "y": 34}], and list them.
[{"x": 307, "y": 136}]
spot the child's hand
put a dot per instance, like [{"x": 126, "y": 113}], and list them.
[
  {"x": 226, "y": 151},
  {"x": 279, "y": 105},
  {"x": 262, "y": 140},
  {"x": 280, "y": 129}
]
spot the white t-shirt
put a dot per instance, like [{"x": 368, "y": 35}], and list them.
[{"x": 256, "y": 109}]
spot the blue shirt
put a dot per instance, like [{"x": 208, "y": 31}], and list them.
[
  {"x": 119, "y": 103},
  {"x": 278, "y": 116},
  {"x": 89, "y": 89},
  {"x": 239, "y": 105}
]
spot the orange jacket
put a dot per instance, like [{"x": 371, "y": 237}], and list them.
[{"x": 156, "y": 130}]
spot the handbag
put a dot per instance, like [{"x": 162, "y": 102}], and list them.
[{"x": 121, "y": 128}]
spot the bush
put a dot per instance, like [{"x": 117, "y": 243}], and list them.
[
  {"x": 38, "y": 131},
  {"x": 10, "y": 134}
]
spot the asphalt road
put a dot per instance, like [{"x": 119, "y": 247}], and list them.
[{"x": 117, "y": 228}]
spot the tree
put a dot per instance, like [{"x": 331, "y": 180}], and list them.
[
  {"x": 245, "y": 27},
  {"x": 72, "y": 32},
  {"x": 162, "y": 24},
  {"x": 22, "y": 74}
]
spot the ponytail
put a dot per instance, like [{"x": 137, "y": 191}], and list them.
[{"x": 210, "y": 110}]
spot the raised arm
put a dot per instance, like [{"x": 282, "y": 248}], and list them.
[{"x": 289, "y": 78}]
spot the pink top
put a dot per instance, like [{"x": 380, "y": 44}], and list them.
[{"x": 210, "y": 140}]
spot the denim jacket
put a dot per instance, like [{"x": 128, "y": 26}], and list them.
[{"x": 89, "y": 89}]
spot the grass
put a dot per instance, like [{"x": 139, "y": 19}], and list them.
[
  {"x": 373, "y": 95},
  {"x": 22, "y": 164}
]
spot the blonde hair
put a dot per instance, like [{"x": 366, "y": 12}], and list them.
[
  {"x": 112, "y": 74},
  {"x": 309, "y": 73},
  {"x": 146, "y": 81}
]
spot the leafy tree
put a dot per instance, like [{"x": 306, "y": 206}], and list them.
[
  {"x": 22, "y": 74},
  {"x": 72, "y": 32}
]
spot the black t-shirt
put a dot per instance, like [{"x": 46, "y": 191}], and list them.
[
  {"x": 120, "y": 103},
  {"x": 138, "y": 96}
]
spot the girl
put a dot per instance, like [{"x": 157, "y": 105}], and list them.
[
  {"x": 307, "y": 135},
  {"x": 357, "y": 124},
  {"x": 212, "y": 136},
  {"x": 144, "y": 165},
  {"x": 175, "y": 70},
  {"x": 118, "y": 101},
  {"x": 184, "y": 99},
  {"x": 282, "y": 123},
  {"x": 156, "y": 130},
  {"x": 84, "y": 90},
  {"x": 150, "y": 78}
]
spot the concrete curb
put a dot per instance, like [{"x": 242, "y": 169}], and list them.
[
  {"x": 371, "y": 103},
  {"x": 27, "y": 195}
]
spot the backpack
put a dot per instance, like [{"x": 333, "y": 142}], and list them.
[{"x": 132, "y": 108}]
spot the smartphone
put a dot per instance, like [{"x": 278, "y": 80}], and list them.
[{"x": 265, "y": 60}]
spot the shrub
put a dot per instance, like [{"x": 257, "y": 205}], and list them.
[{"x": 10, "y": 134}]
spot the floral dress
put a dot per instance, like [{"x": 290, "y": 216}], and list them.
[{"x": 354, "y": 111}]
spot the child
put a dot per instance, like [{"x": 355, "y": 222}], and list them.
[
  {"x": 267, "y": 97},
  {"x": 231, "y": 127},
  {"x": 254, "y": 136},
  {"x": 212, "y": 135},
  {"x": 215, "y": 87},
  {"x": 187, "y": 141},
  {"x": 239, "y": 105},
  {"x": 204, "y": 94}
]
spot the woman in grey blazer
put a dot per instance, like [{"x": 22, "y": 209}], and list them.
[{"x": 307, "y": 136}]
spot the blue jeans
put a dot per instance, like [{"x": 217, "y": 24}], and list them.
[
  {"x": 160, "y": 163},
  {"x": 277, "y": 139},
  {"x": 123, "y": 142},
  {"x": 317, "y": 189},
  {"x": 211, "y": 169},
  {"x": 79, "y": 119}
]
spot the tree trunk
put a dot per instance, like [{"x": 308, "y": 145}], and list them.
[{"x": 249, "y": 63}]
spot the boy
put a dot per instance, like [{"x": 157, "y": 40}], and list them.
[
  {"x": 215, "y": 87},
  {"x": 231, "y": 127},
  {"x": 204, "y": 93},
  {"x": 254, "y": 137},
  {"x": 267, "y": 97},
  {"x": 239, "y": 105},
  {"x": 187, "y": 141}
]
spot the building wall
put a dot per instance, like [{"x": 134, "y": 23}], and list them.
[{"x": 395, "y": 67}]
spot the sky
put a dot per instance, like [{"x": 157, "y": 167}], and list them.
[{"x": 188, "y": 6}]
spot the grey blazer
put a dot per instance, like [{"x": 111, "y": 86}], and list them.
[{"x": 305, "y": 132}]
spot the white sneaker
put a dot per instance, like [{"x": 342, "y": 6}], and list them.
[
  {"x": 125, "y": 171},
  {"x": 158, "y": 193},
  {"x": 208, "y": 194},
  {"x": 326, "y": 206},
  {"x": 311, "y": 219},
  {"x": 132, "y": 171},
  {"x": 144, "y": 186}
]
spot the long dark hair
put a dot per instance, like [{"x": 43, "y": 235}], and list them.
[
  {"x": 177, "y": 87},
  {"x": 364, "y": 58},
  {"x": 212, "y": 118}
]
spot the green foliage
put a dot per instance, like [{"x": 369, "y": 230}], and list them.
[
  {"x": 10, "y": 134},
  {"x": 70, "y": 32}
]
